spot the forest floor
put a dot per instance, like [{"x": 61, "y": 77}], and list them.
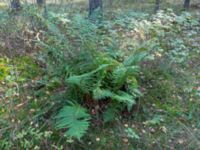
[{"x": 33, "y": 88}]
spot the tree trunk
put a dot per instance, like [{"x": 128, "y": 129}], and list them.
[
  {"x": 95, "y": 4},
  {"x": 157, "y": 6},
  {"x": 186, "y": 4},
  {"x": 15, "y": 5},
  {"x": 40, "y": 2}
]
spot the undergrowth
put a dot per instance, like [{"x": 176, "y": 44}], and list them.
[{"x": 71, "y": 83}]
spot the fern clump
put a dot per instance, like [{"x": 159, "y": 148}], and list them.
[{"x": 110, "y": 79}]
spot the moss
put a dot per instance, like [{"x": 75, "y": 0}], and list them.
[
  {"x": 4, "y": 68},
  {"x": 27, "y": 68}
]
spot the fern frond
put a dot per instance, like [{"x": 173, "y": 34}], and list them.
[
  {"x": 83, "y": 82},
  {"x": 134, "y": 59},
  {"x": 124, "y": 97},
  {"x": 119, "y": 76},
  {"x": 99, "y": 94},
  {"x": 86, "y": 81},
  {"x": 132, "y": 70},
  {"x": 119, "y": 96},
  {"x": 110, "y": 114},
  {"x": 73, "y": 118}
]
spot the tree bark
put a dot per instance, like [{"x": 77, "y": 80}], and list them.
[
  {"x": 95, "y": 4},
  {"x": 15, "y": 5},
  {"x": 186, "y": 4},
  {"x": 157, "y": 6},
  {"x": 40, "y": 2}
]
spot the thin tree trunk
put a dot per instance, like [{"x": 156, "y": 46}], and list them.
[
  {"x": 95, "y": 4},
  {"x": 15, "y": 5},
  {"x": 157, "y": 6},
  {"x": 40, "y": 2},
  {"x": 186, "y": 4}
]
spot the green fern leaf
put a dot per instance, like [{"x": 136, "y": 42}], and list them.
[
  {"x": 132, "y": 70},
  {"x": 119, "y": 76},
  {"x": 110, "y": 114},
  {"x": 75, "y": 119},
  {"x": 99, "y": 94},
  {"x": 86, "y": 81},
  {"x": 125, "y": 98},
  {"x": 134, "y": 59},
  {"x": 120, "y": 96}
]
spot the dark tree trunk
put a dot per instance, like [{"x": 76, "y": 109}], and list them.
[
  {"x": 157, "y": 6},
  {"x": 186, "y": 4},
  {"x": 95, "y": 4},
  {"x": 40, "y": 2},
  {"x": 15, "y": 5}
]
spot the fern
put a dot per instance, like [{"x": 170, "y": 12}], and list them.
[
  {"x": 135, "y": 59},
  {"x": 110, "y": 113},
  {"x": 119, "y": 96},
  {"x": 121, "y": 74},
  {"x": 107, "y": 79},
  {"x": 126, "y": 98},
  {"x": 99, "y": 94},
  {"x": 86, "y": 81},
  {"x": 75, "y": 119}
]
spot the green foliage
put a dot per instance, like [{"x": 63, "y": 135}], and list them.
[
  {"x": 75, "y": 119},
  {"x": 22, "y": 139},
  {"x": 131, "y": 134},
  {"x": 104, "y": 68},
  {"x": 110, "y": 114},
  {"x": 155, "y": 121},
  {"x": 4, "y": 69},
  {"x": 107, "y": 80},
  {"x": 26, "y": 68}
]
